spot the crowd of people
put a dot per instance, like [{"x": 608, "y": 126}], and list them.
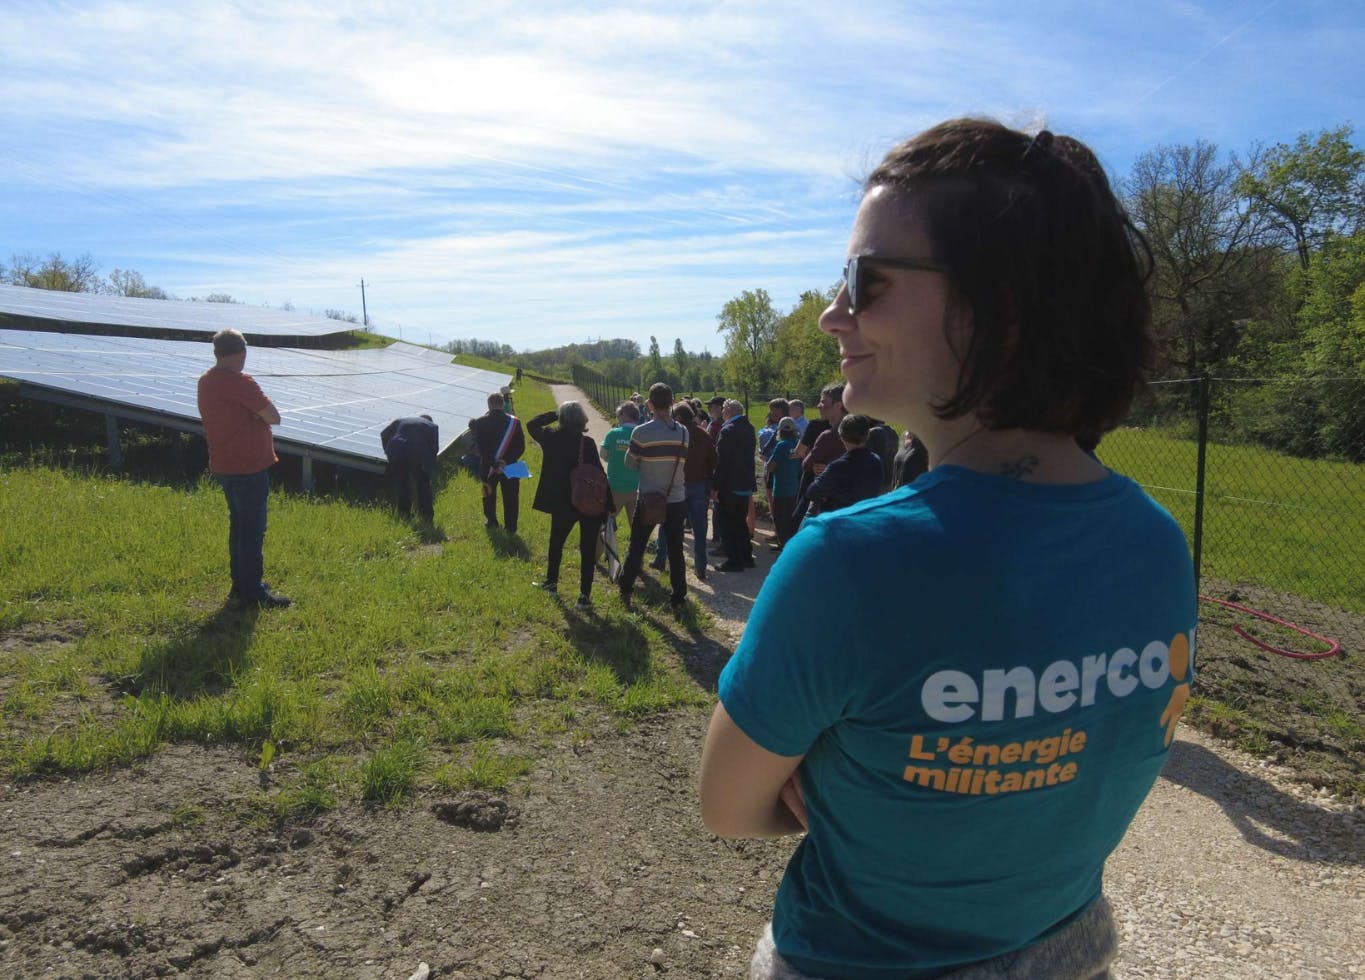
[{"x": 959, "y": 691}]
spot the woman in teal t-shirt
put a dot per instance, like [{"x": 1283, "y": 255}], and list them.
[{"x": 962, "y": 690}]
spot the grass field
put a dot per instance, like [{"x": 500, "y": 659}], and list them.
[
  {"x": 1286, "y": 524},
  {"x": 402, "y": 663}
]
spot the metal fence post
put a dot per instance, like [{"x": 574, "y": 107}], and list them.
[{"x": 1203, "y": 399}]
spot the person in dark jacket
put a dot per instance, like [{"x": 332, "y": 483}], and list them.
[
  {"x": 565, "y": 447},
  {"x": 912, "y": 461},
  {"x": 410, "y": 446},
  {"x": 734, "y": 486},
  {"x": 854, "y": 476},
  {"x": 882, "y": 440},
  {"x": 501, "y": 441}
]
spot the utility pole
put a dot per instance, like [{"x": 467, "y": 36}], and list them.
[{"x": 364, "y": 311}]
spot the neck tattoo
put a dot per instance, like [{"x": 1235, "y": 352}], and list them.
[{"x": 1019, "y": 468}]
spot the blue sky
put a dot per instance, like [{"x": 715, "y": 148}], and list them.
[{"x": 547, "y": 173}]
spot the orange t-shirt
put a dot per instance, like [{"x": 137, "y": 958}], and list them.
[{"x": 240, "y": 441}]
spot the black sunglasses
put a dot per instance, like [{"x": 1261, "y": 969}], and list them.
[{"x": 853, "y": 274}]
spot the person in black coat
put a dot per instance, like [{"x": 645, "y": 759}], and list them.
[
  {"x": 854, "y": 476},
  {"x": 411, "y": 445},
  {"x": 565, "y": 447},
  {"x": 734, "y": 485},
  {"x": 500, "y": 440}
]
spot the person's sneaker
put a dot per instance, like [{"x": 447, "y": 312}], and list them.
[
  {"x": 678, "y": 605},
  {"x": 490, "y": 523},
  {"x": 750, "y": 563},
  {"x": 701, "y": 573},
  {"x": 549, "y": 585},
  {"x": 583, "y": 603},
  {"x": 658, "y": 566},
  {"x": 732, "y": 566}
]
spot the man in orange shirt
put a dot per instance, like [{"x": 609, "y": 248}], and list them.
[{"x": 237, "y": 418}]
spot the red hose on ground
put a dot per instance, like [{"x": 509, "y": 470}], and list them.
[{"x": 1334, "y": 646}]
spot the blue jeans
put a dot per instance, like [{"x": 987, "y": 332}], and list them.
[
  {"x": 246, "y": 499},
  {"x": 698, "y": 502}
]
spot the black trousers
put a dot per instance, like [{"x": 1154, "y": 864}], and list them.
[
  {"x": 784, "y": 520},
  {"x": 511, "y": 493},
  {"x": 588, "y": 529},
  {"x": 403, "y": 474},
  {"x": 734, "y": 528},
  {"x": 673, "y": 534}
]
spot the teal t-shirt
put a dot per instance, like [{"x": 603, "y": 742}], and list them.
[
  {"x": 620, "y": 477},
  {"x": 983, "y": 676},
  {"x": 787, "y": 469}
]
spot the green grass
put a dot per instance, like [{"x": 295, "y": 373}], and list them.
[
  {"x": 1283, "y": 523},
  {"x": 400, "y": 667}
]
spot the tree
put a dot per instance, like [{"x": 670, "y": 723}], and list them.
[
  {"x": 1211, "y": 269},
  {"x": 807, "y": 358},
  {"x": 682, "y": 363},
  {"x": 749, "y": 323},
  {"x": 131, "y": 283},
  {"x": 79, "y": 275},
  {"x": 1309, "y": 191}
]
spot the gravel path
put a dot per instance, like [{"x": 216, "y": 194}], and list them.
[{"x": 1230, "y": 869}]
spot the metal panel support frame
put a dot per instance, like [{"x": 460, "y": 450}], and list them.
[{"x": 111, "y": 441}]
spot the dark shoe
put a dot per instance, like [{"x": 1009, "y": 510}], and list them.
[
  {"x": 549, "y": 585},
  {"x": 490, "y": 523},
  {"x": 701, "y": 573},
  {"x": 678, "y": 605},
  {"x": 625, "y": 599},
  {"x": 658, "y": 566},
  {"x": 269, "y": 600},
  {"x": 732, "y": 566},
  {"x": 750, "y": 563},
  {"x": 583, "y": 603}
]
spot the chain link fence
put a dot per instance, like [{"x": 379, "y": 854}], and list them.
[{"x": 1266, "y": 477}]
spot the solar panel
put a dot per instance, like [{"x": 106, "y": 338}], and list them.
[
  {"x": 333, "y": 404},
  {"x": 24, "y": 307}
]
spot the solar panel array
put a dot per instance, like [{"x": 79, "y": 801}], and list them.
[
  {"x": 25, "y": 307},
  {"x": 333, "y": 404}
]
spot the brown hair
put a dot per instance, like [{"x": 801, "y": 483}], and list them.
[{"x": 1045, "y": 263}]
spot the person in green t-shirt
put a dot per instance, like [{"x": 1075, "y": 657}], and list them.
[{"x": 623, "y": 480}]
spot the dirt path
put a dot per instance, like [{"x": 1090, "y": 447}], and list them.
[{"x": 598, "y": 867}]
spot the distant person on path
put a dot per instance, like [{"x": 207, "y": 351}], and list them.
[
  {"x": 734, "y": 486},
  {"x": 697, "y": 473},
  {"x": 564, "y": 448},
  {"x": 963, "y": 767},
  {"x": 912, "y": 461},
  {"x": 715, "y": 420},
  {"x": 784, "y": 469},
  {"x": 777, "y": 411},
  {"x": 883, "y": 441},
  {"x": 501, "y": 442},
  {"x": 658, "y": 448},
  {"x": 854, "y": 476},
  {"x": 237, "y": 418},
  {"x": 624, "y": 480},
  {"x": 820, "y": 446},
  {"x": 410, "y": 446}
]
